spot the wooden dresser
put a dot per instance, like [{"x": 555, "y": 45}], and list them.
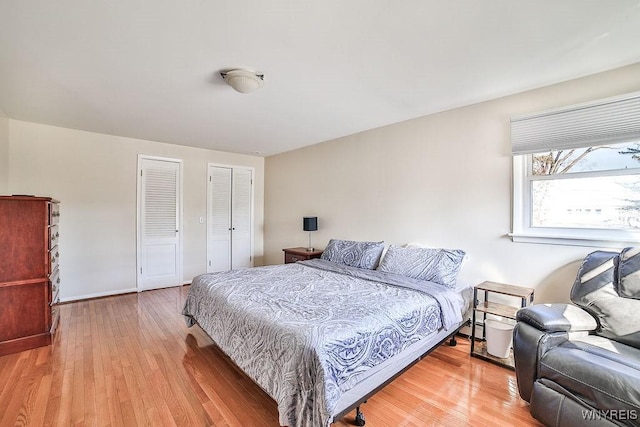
[{"x": 29, "y": 273}]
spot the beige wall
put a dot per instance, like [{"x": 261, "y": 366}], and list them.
[
  {"x": 94, "y": 177},
  {"x": 4, "y": 153},
  {"x": 442, "y": 180}
]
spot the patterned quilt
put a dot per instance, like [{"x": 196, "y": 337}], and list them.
[{"x": 307, "y": 332}]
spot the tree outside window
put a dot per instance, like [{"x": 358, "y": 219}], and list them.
[{"x": 594, "y": 187}]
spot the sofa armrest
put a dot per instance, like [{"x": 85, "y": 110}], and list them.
[
  {"x": 557, "y": 318},
  {"x": 529, "y": 345},
  {"x": 540, "y": 328}
]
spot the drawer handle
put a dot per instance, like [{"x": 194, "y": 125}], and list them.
[
  {"x": 58, "y": 281},
  {"x": 295, "y": 258}
]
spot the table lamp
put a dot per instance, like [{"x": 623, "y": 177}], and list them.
[{"x": 310, "y": 223}]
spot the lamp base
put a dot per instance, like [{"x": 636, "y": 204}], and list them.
[{"x": 310, "y": 249}]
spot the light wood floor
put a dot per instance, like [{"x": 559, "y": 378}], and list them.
[{"x": 130, "y": 360}]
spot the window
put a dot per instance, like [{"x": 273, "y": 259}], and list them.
[{"x": 568, "y": 190}]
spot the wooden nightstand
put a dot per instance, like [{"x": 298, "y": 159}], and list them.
[{"x": 299, "y": 254}]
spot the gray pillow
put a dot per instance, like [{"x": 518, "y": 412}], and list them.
[
  {"x": 354, "y": 254},
  {"x": 435, "y": 265},
  {"x": 595, "y": 290}
]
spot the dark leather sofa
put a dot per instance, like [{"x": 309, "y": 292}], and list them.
[{"x": 579, "y": 364}]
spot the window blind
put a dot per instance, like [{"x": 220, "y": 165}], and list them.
[{"x": 607, "y": 121}]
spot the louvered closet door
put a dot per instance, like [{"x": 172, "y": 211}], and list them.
[
  {"x": 241, "y": 219},
  {"x": 229, "y": 218},
  {"x": 219, "y": 219},
  {"x": 159, "y": 219}
]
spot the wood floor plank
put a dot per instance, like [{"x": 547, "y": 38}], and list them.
[
  {"x": 113, "y": 403},
  {"x": 36, "y": 410},
  {"x": 13, "y": 369},
  {"x": 131, "y": 360},
  {"x": 66, "y": 398}
]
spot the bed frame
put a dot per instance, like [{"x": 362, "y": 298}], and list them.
[{"x": 360, "y": 419}]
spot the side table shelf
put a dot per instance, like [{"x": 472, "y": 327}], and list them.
[{"x": 479, "y": 349}]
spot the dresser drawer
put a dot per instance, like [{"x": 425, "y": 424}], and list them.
[
  {"x": 54, "y": 213},
  {"x": 54, "y": 236},
  {"x": 289, "y": 257},
  {"x": 54, "y": 257},
  {"x": 300, "y": 254},
  {"x": 55, "y": 318},
  {"x": 55, "y": 287}
]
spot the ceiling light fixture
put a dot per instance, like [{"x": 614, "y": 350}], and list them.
[{"x": 243, "y": 80}]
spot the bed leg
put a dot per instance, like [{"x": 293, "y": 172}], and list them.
[
  {"x": 359, "y": 417},
  {"x": 452, "y": 341}
]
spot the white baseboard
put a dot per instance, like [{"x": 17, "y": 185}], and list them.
[
  {"x": 99, "y": 294},
  {"x": 112, "y": 293}
]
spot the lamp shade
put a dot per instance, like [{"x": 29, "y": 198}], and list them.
[
  {"x": 310, "y": 223},
  {"x": 242, "y": 80}
]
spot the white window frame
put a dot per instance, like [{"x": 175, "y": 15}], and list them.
[
  {"x": 524, "y": 232},
  {"x": 606, "y": 121}
]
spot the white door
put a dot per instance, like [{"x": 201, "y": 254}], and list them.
[
  {"x": 241, "y": 219},
  {"x": 219, "y": 219},
  {"x": 229, "y": 218},
  {"x": 159, "y": 254}
]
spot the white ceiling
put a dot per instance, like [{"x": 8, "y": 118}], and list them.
[{"x": 150, "y": 69}]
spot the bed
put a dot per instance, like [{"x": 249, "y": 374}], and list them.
[{"x": 321, "y": 336}]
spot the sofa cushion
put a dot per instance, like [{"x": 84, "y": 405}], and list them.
[
  {"x": 602, "y": 373},
  {"x": 610, "y": 350},
  {"x": 555, "y": 406},
  {"x": 629, "y": 273},
  {"x": 596, "y": 291}
]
